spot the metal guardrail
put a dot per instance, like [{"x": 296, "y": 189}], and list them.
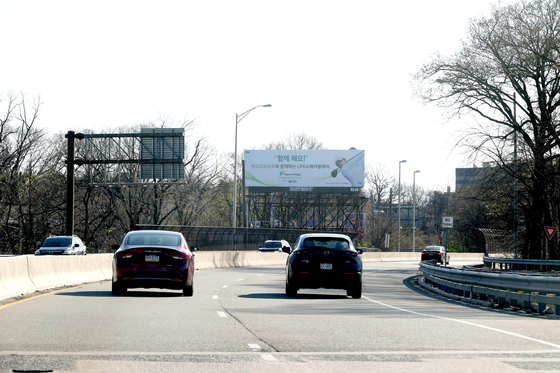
[
  {"x": 503, "y": 289},
  {"x": 521, "y": 264}
]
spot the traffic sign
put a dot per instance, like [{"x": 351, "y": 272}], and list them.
[
  {"x": 447, "y": 222},
  {"x": 550, "y": 231}
]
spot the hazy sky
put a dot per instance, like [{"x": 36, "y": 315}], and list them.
[{"x": 337, "y": 70}]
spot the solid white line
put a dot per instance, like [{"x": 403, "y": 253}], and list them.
[
  {"x": 467, "y": 323},
  {"x": 225, "y": 286},
  {"x": 268, "y": 357},
  {"x": 221, "y": 314}
]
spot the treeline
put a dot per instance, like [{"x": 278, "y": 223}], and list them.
[
  {"x": 111, "y": 201},
  {"x": 33, "y": 186}
]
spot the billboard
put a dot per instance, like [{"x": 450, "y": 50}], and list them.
[{"x": 304, "y": 168}]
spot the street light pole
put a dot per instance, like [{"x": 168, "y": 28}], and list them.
[
  {"x": 238, "y": 118},
  {"x": 414, "y": 210},
  {"x": 399, "y": 208}
]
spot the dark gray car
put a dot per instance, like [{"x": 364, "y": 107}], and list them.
[{"x": 62, "y": 245}]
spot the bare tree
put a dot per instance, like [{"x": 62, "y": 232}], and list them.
[
  {"x": 379, "y": 181},
  {"x": 296, "y": 141},
  {"x": 19, "y": 140},
  {"x": 509, "y": 59}
]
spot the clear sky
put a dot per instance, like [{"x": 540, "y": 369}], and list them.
[{"x": 337, "y": 70}]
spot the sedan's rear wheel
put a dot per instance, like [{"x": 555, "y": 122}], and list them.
[
  {"x": 188, "y": 290},
  {"x": 118, "y": 289},
  {"x": 291, "y": 290}
]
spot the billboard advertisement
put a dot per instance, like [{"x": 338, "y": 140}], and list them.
[{"x": 304, "y": 168}]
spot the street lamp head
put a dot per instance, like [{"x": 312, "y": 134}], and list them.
[
  {"x": 416, "y": 171},
  {"x": 403, "y": 161},
  {"x": 267, "y": 105}
]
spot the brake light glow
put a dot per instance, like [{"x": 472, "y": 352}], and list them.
[
  {"x": 124, "y": 255},
  {"x": 179, "y": 255}
]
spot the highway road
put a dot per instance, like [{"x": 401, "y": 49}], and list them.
[{"x": 239, "y": 320}]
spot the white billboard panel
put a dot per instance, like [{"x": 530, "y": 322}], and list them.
[{"x": 304, "y": 168}]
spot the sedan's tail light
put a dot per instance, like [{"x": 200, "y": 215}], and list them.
[
  {"x": 124, "y": 254},
  {"x": 178, "y": 256},
  {"x": 128, "y": 253}
]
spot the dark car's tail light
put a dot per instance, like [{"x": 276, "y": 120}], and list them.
[
  {"x": 124, "y": 254},
  {"x": 180, "y": 256}
]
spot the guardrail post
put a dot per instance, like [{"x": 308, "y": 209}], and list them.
[
  {"x": 542, "y": 306},
  {"x": 527, "y": 305},
  {"x": 501, "y": 302}
]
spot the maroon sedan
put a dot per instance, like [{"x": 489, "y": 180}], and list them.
[{"x": 153, "y": 259}]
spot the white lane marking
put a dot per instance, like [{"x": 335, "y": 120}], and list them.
[
  {"x": 254, "y": 346},
  {"x": 268, "y": 357},
  {"x": 214, "y": 297},
  {"x": 222, "y": 314},
  {"x": 466, "y": 323},
  {"x": 225, "y": 286},
  {"x": 241, "y": 279}
]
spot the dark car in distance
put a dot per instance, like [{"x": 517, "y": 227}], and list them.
[
  {"x": 324, "y": 260},
  {"x": 437, "y": 253},
  {"x": 153, "y": 259}
]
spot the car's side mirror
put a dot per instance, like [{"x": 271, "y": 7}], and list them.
[
  {"x": 76, "y": 245},
  {"x": 194, "y": 248},
  {"x": 360, "y": 251},
  {"x": 115, "y": 247},
  {"x": 286, "y": 249}
]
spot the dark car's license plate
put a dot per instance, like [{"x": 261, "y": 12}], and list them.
[
  {"x": 152, "y": 258},
  {"x": 326, "y": 266}
]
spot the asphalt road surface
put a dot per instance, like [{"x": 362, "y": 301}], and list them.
[{"x": 239, "y": 320}]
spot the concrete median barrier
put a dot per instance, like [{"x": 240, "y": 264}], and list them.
[
  {"x": 43, "y": 271},
  {"x": 53, "y": 271},
  {"x": 224, "y": 259},
  {"x": 26, "y": 274},
  {"x": 14, "y": 277}
]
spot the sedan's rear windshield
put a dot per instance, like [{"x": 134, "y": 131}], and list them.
[
  {"x": 153, "y": 240},
  {"x": 58, "y": 242},
  {"x": 272, "y": 244},
  {"x": 326, "y": 243}
]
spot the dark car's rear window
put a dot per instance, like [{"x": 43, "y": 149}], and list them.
[
  {"x": 153, "y": 240},
  {"x": 326, "y": 243},
  {"x": 58, "y": 242}
]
